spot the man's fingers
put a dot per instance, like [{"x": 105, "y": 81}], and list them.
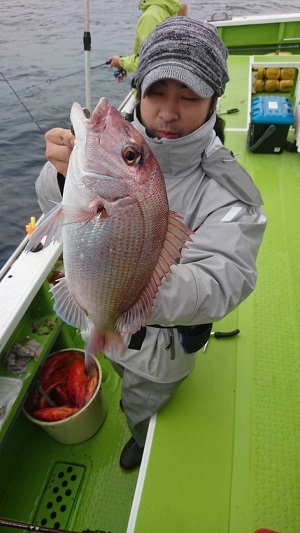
[
  {"x": 60, "y": 136},
  {"x": 59, "y": 145}
]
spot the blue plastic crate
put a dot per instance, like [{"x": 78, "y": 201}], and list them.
[
  {"x": 271, "y": 118},
  {"x": 272, "y": 110}
]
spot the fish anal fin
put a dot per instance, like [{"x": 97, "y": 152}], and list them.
[
  {"x": 66, "y": 306},
  {"x": 176, "y": 235}
]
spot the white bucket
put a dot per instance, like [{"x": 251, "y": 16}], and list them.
[{"x": 83, "y": 424}]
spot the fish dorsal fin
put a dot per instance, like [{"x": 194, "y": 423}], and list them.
[
  {"x": 136, "y": 316},
  {"x": 67, "y": 307}
]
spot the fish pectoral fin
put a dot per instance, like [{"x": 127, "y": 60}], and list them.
[
  {"x": 73, "y": 215},
  {"x": 50, "y": 227},
  {"x": 66, "y": 306},
  {"x": 136, "y": 316}
]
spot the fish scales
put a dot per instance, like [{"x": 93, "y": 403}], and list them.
[
  {"x": 119, "y": 237},
  {"x": 108, "y": 264}
]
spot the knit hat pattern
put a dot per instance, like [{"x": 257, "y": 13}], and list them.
[{"x": 185, "y": 50}]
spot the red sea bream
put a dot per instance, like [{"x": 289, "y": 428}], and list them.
[{"x": 119, "y": 237}]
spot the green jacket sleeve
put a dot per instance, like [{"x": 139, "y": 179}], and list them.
[
  {"x": 129, "y": 63},
  {"x": 145, "y": 26}
]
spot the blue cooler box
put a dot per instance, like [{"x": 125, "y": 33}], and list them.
[{"x": 271, "y": 117}]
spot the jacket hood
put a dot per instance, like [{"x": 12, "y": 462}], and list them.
[
  {"x": 202, "y": 153},
  {"x": 172, "y": 6}
]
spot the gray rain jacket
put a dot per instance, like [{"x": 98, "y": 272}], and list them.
[
  {"x": 218, "y": 270},
  {"x": 218, "y": 200}
]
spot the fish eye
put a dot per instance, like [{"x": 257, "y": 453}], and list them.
[{"x": 131, "y": 154}]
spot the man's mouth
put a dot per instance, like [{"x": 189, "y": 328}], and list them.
[{"x": 166, "y": 134}]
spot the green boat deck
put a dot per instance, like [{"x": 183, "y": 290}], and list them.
[
  {"x": 37, "y": 471},
  {"x": 225, "y": 454}
]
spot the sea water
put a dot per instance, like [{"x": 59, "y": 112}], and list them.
[{"x": 42, "y": 74}]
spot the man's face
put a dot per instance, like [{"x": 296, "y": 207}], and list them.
[{"x": 171, "y": 110}]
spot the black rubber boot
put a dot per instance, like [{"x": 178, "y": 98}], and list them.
[{"x": 131, "y": 455}]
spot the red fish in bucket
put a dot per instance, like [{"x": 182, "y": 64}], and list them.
[
  {"x": 64, "y": 387},
  {"x": 119, "y": 237}
]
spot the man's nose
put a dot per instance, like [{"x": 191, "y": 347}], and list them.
[{"x": 169, "y": 111}]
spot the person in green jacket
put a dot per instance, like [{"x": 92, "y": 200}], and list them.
[{"x": 154, "y": 13}]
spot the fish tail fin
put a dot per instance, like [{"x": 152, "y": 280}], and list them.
[{"x": 101, "y": 340}]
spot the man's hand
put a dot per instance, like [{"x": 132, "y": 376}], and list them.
[
  {"x": 59, "y": 145},
  {"x": 115, "y": 61}
]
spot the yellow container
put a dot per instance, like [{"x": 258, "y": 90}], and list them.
[
  {"x": 260, "y": 86},
  {"x": 261, "y": 73},
  {"x": 272, "y": 73},
  {"x": 83, "y": 424},
  {"x": 285, "y": 86},
  {"x": 271, "y": 86},
  {"x": 287, "y": 73}
]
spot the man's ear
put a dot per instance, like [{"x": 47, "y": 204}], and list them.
[{"x": 213, "y": 104}]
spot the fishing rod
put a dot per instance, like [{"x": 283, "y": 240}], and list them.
[
  {"x": 42, "y": 83},
  {"x": 87, "y": 52},
  {"x": 41, "y": 529},
  {"x": 49, "y": 80}
]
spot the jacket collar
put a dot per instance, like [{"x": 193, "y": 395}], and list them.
[{"x": 179, "y": 158}]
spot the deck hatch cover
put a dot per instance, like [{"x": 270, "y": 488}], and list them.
[{"x": 59, "y": 497}]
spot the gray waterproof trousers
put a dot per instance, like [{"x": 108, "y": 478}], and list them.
[{"x": 142, "y": 398}]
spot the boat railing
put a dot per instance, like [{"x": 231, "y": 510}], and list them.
[{"x": 16, "y": 253}]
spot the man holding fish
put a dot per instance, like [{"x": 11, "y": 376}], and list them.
[{"x": 182, "y": 71}]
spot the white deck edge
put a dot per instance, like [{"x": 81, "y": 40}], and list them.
[
  {"x": 141, "y": 477},
  {"x": 257, "y": 19},
  {"x": 20, "y": 285}
]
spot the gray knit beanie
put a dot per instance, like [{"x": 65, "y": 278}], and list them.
[{"x": 185, "y": 50}]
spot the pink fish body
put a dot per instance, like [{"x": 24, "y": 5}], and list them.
[{"x": 119, "y": 237}]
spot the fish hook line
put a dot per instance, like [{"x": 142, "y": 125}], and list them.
[
  {"x": 25, "y": 107},
  {"x": 50, "y": 79}
]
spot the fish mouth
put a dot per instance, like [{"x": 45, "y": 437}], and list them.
[
  {"x": 97, "y": 122},
  {"x": 101, "y": 111}
]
